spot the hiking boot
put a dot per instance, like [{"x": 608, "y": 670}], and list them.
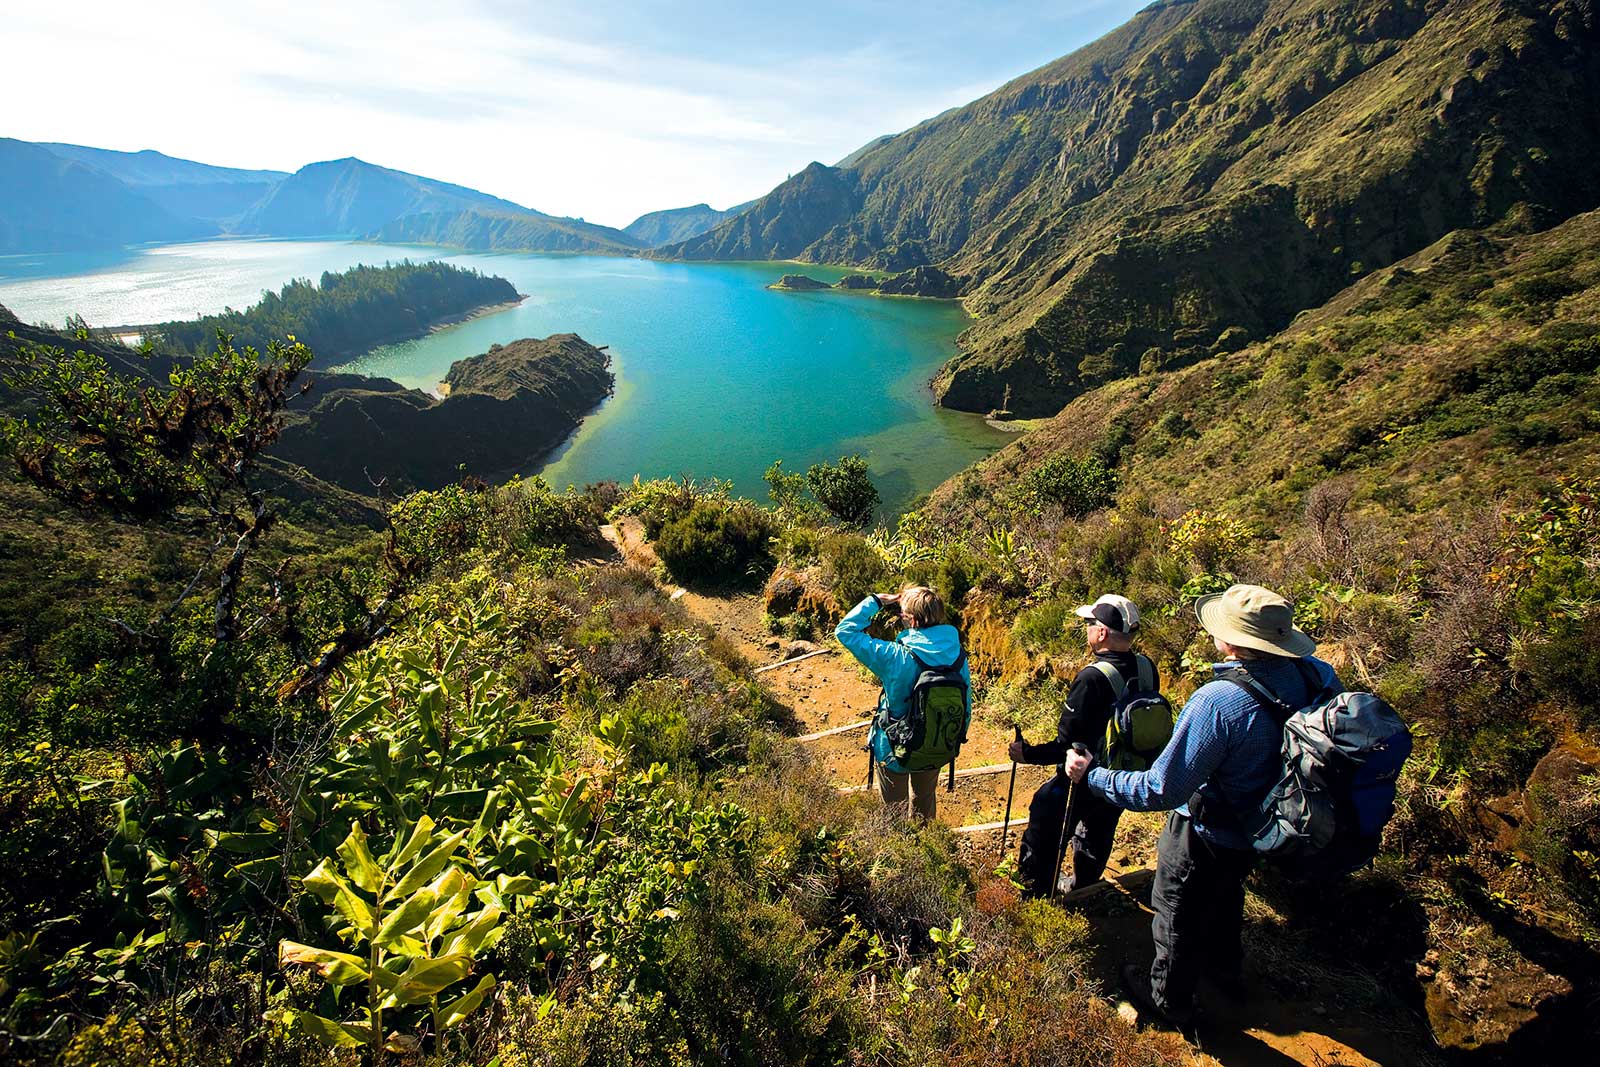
[
  {"x": 1229, "y": 983},
  {"x": 1136, "y": 981}
]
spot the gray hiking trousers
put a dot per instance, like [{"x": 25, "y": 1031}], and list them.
[{"x": 924, "y": 788}]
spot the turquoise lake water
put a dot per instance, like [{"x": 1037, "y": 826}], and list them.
[{"x": 716, "y": 374}]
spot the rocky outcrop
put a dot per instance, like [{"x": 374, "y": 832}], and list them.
[
  {"x": 922, "y": 281},
  {"x": 799, "y": 282},
  {"x": 505, "y": 410},
  {"x": 865, "y": 282}
]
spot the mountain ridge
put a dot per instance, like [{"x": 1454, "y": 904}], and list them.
[{"x": 1210, "y": 166}]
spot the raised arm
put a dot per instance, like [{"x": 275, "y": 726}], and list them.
[{"x": 876, "y": 655}]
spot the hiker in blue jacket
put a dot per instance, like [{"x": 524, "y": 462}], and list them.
[
  {"x": 1223, "y": 760},
  {"x": 925, "y": 635}
]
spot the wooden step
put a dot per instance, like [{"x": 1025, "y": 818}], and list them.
[
  {"x": 970, "y": 772},
  {"x": 846, "y": 728}
]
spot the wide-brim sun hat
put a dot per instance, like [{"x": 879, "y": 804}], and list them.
[{"x": 1250, "y": 616}]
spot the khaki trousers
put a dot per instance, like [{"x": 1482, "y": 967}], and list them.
[{"x": 924, "y": 791}]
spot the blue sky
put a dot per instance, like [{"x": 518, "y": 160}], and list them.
[{"x": 603, "y": 109}]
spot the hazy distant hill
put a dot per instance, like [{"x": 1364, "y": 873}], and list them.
[
  {"x": 352, "y": 197},
  {"x": 679, "y": 223},
  {"x": 504, "y": 231},
  {"x": 150, "y": 167},
  {"x": 52, "y": 204},
  {"x": 181, "y": 186},
  {"x": 1202, "y": 174}
]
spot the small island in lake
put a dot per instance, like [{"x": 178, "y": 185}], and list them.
[{"x": 798, "y": 283}]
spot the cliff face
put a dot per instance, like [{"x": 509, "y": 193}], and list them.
[
  {"x": 506, "y": 408},
  {"x": 1213, "y": 166}
]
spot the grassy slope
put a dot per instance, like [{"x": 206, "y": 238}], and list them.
[
  {"x": 1372, "y": 452},
  {"x": 1415, "y": 381}
]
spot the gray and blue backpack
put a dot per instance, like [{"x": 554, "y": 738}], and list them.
[{"x": 1341, "y": 760}]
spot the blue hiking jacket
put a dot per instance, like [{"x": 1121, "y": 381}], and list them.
[{"x": 892, "y": 662}]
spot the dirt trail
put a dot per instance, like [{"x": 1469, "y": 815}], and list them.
[{"x": 830, "y": 690}]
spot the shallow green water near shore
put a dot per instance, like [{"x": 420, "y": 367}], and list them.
[{"x": 716, "y": 374}]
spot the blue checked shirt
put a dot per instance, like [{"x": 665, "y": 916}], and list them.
[{"x": 1225, "y": 744}]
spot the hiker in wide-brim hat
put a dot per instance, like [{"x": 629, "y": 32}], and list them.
[
  {"x": 1223, "y": 759},
  {"x": 1254, "y": 618}
]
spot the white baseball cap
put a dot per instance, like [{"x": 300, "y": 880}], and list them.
[{"x": 1116, "y": 612}]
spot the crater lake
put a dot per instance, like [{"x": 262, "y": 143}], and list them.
[{"x": 717, "y": 375}]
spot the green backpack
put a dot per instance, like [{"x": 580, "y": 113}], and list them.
[
  {"x": 933, "y": 728},
  {"x": 1141, "y": 719}
]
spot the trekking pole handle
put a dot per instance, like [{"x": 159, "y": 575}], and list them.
[{"x": 1018, "y": 729}]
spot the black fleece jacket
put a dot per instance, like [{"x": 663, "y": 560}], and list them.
[{"x": 1087, "y": 709}]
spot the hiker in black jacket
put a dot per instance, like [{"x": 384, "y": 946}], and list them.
[{"x": 1111, "y": 624}]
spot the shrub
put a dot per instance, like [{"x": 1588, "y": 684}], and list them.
[
  {"x": 1566, "y": 666},
  {"x": 529, "y": 514},
  {"x": 440, "y": 526},
  {"x": 715, "y": 546},
  {"x": 844, "y": 489},
  {"x": 852, "y": 568},
  {"x": 1045, "y": 627},
  {"x": 1211, "y": 539},
  {"x": 1076, "y": 486}
]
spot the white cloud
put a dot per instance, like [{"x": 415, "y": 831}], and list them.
[{"x": 604, "y": 128}]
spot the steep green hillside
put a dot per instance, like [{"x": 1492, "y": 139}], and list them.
[
  {"x": 678, "y": 224},
  {"x": 1198, "y": 176},
  {"x": 505, "y": 231},
  {"x": 349, "y": 196},
  {"x": 1417, "y": 464},
  {"x": 51, "y": 204}
]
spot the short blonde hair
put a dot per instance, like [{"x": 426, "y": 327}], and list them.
[{"x": 923, "y": 605}]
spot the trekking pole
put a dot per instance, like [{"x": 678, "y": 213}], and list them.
[
  {"x": 1066, "y": 822},
  {"x": 1011, "y": 791},
  {"x": 870, "y": 761}
]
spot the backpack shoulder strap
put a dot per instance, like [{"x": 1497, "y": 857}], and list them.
[
  {"x": 1316, "y": 687},
  {"x": 1147, "y": 672},
  {"x": 1119, "y": 685},
  {"x": 1275, "y": 707}
]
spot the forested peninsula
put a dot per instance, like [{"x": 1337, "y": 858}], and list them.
[
  {"x": 348, "y": 313},
  {"x": 505, "y": 409}
]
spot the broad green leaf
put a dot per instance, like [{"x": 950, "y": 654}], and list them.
[
  {"x": 339, "y": 968},
  {"x": 451, "y": 656},
  {"x": 407, "y": 917},
  {"x": 358, "y": 862},
  {"x": 463, "y": 1006},
  {"x": 472, "y": 937},
  {"x": 486, "y": 819},
  {"x": 421, "y": 836},
  {"x": 427, "y": 978},
  {"x": 429, "y": 706},
  {"x": 427, "y": 867},
  {"x": 332, "y": 889},
  {"x": 361, "y": 717},
  {"x": 326, "y": 1031},
  {"x": 242, "y": 843}
]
